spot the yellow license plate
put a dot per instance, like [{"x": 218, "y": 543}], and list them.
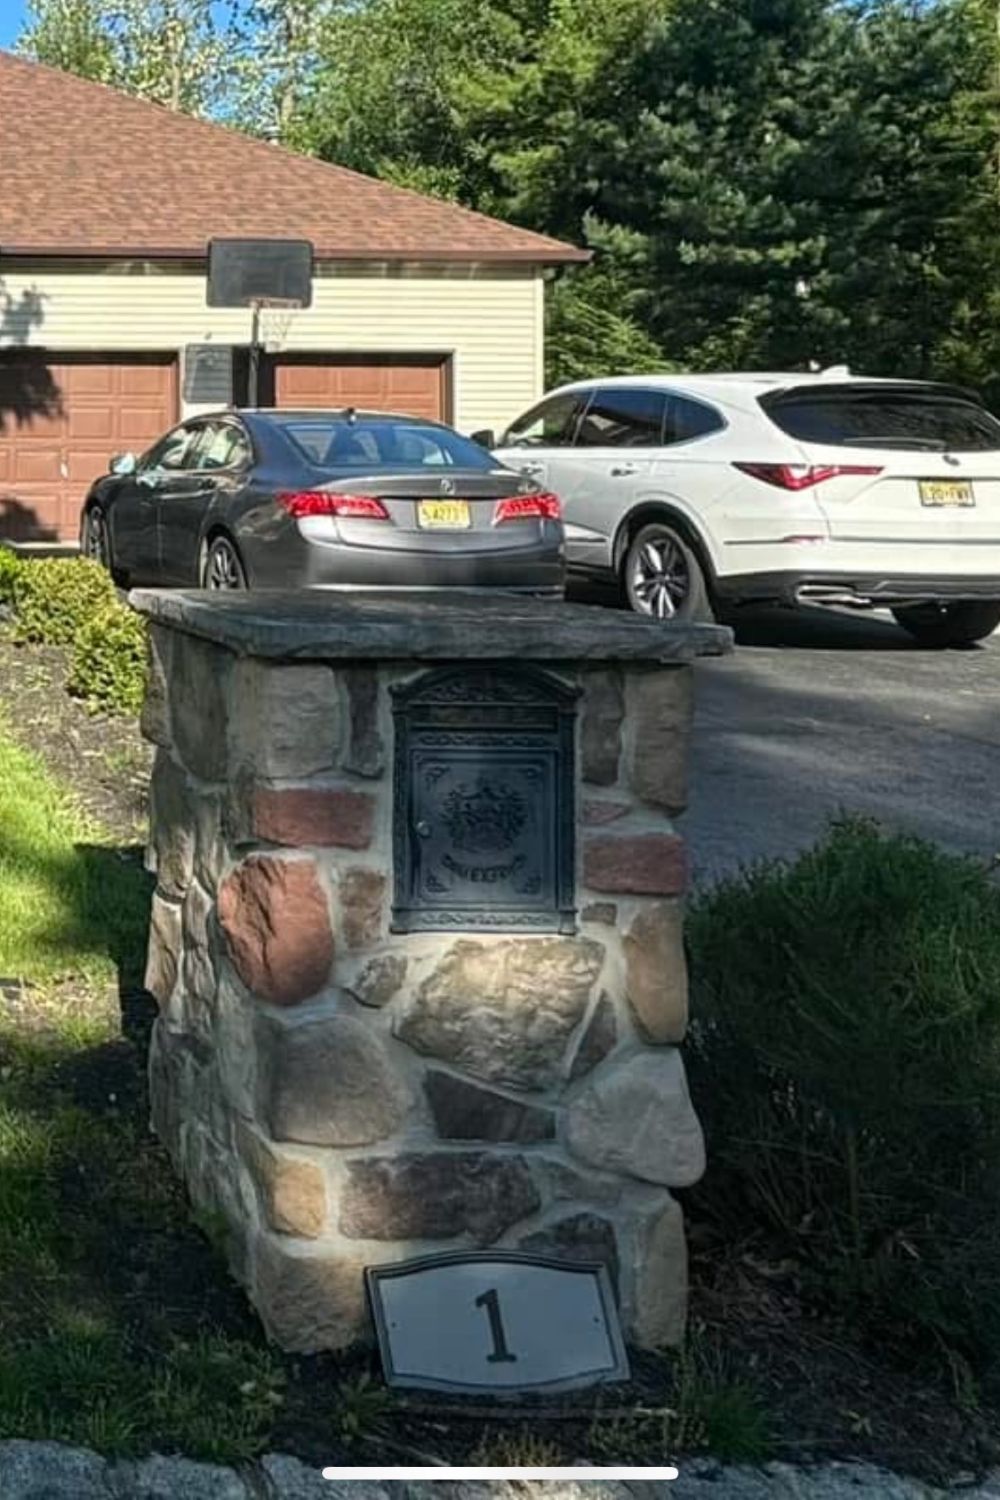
[
  {"x": 946, "y": 492},
  {"x": 444, "y": 515}
]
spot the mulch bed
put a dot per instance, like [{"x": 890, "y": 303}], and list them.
[{"x": 827, "y": 1390}]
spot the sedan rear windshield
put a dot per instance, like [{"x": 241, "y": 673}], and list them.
[
  {"x": 375, "y": 443},
  {"x": 886, "y": 417}
]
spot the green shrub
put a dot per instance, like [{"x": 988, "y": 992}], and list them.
[
  {"x": 110, "y": 660},
  {"x": 846, "y": 1063},
  {"x": 10, "y": 568},
  {"x": 55, "y": 596}
]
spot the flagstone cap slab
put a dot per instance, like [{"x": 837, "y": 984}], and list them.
[{"x": 424, "y": 626}]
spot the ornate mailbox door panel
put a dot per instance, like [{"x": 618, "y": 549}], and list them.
[{"x": 483, "y": 803}]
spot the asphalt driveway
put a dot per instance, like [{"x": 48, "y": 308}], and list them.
[{"x": 816, "y": 713}]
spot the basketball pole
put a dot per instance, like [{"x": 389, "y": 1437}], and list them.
[{"x": 253, "y": 380}]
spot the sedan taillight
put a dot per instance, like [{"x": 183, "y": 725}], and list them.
[
  {"x": 299, "y": 503},
  {"x": 540, "y": 507},
  {"x": 803, "y": 476}
]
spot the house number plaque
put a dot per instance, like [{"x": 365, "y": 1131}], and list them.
[{"x": 496, "y": 1321}]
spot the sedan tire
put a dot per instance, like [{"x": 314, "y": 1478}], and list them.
[
  {"x": 663, "y": 578},
  {"x": 96, "y": 544},
  {"x": 223, "y": 570},
  {"x": 958, "y": 624}
]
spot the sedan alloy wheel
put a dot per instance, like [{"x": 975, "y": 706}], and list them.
[{"x": 223, "y": 568}]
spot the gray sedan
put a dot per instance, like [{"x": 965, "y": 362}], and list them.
[{"x": 278, "y": 499}]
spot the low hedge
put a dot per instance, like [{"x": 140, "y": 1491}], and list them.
[
  {"x": 54, "y": 597},
  {"x": 845, "y": 1060},
  {"x": 72, "y": 602},
  {"x": 109, "y": 660}
]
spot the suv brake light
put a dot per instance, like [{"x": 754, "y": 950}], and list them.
[
  {"x": 803, "y": 476},
  {"x": 540, "y": 507}
]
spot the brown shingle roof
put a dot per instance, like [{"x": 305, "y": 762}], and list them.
[{"x": 86, "y": 170}]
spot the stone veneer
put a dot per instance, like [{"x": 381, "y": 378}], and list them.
[{"x": 344, "y": 1096}]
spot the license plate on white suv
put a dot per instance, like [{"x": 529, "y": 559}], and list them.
[{"x": 939, "y": 492}]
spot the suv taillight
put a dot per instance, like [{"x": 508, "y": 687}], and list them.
[
  {"x": 803, "y": 476},
  {"x": 299, "y": 503},
  {"x": 541, "y": 507}
]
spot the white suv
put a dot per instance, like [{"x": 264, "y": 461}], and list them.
[{"x": 696, "y": 491}]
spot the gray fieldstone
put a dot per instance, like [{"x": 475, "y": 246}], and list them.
[
  {"x": 308, "y": 1300},
  {"x": 286, "y": 720},
  {"x": 580, "y": 1237},
  {"x": 504, "y": 1011},
  {"x": 51, "y": 1471},
  {"x": 635, "y": 1116},
  {"x": 328, "y": 1082},
  {"x": 465, "y": 1111},
  {"x": 159, "y": 1478},
  {"x": 365, "y": 748},
  {"x": 562, "y": 1183},
  {"x": 154, "y": 716},
  {"x": 660, "y": 709},
  {"x": 380, "y": 979},
  {"x": 598, "y": 1039},
  {"x": 235, "y": 1022},
  {"x": 656, "y": 979},
  {"x": 197, "y": 966},
  {"x": 604, "y": 912},
  {"x": 600, "y": 729},
  {"x": 171, "y": 821},
  {"x": 210, "y": 852},
  {"x": 291, "y": 1480},
  {"x": 199, "y": 713},
  {"x": 436, "y": 1195},
  {"x": 163, "y": 950}
]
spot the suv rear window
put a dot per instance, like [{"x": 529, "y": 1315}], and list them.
[{"x": 884, "y": 417}]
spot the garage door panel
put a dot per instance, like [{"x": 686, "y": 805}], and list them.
[
  {"x": 406, "y": 383},
  {"x": 61, "y": 418}
]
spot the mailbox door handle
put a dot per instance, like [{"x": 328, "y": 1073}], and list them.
[{"x": 424, "y": 828}]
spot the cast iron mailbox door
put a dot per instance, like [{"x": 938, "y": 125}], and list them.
[{"x": 483, "y": 802}]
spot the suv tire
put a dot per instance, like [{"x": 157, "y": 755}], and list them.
[
  {"x": 958, "y": 624},
  {"x": 662, "y": 577}
]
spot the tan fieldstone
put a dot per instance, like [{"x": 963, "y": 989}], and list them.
[
  {"x": 198, "y": 687},
  {"x": 171, "y": 822},
  {"x": 164, "y": 949},
  {"x": 504, "y": 1011},
  {"x": 604, "y": 912},
  {"x": 308, "y": 1300},
  {"x": 660, "y": 708},
  {"x": 328, "y": 1081},
  {"x": 635, "y": 864},
  {"x": 635, "y": 1116},
  {"x": 380, "y": 980},
  {"x": 600, "y": 727},
  {"x": 361, "y": 896},
  {"x": 436, "y": 1195},
  {"x": 292, "y": 1189},
  {"x": 276, "y": 921},
  {"x": 287, "y": 720},
  {"x": 197, "y": 968},
  {"x": 656, "y": 1299},
  {"x": 656, "y": 972},
  {"x": 327, "y": 817}
]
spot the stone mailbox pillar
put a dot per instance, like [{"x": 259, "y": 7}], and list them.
[{"x": 417, "y": 938}]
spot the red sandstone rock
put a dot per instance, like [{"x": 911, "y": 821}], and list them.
[
  {"x": 277, "y": 925},
  {"x": 637, "y": 864},
  {"x": 327, "y": 817}
]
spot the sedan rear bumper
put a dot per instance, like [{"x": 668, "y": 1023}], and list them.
[
  {"x": 520, "y": 570},
  {"x": 799, "y": 587}
]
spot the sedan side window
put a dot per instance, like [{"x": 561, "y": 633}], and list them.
[
  {"x": 549, "y": 425},
  {"x": 623, "y": 417},
  {"x": 172, "y": 453},
  {"x": 221, "y": 446}
]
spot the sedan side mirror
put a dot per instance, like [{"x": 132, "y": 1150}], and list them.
[
  {"x": 485, "y": 437},
  {"x": 123, "y": 463}
]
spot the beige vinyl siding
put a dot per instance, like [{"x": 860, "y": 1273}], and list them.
[{"x": 487, "y": 320}]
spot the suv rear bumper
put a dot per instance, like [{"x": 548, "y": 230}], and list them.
[{"x": 791, "y": 587}]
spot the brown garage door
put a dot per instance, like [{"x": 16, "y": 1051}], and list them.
[
  {"x": 416, "y": 385},
  {"x": 61, "y": 418}
]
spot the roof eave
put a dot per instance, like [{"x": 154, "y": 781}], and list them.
[{"x": 543, "y": 256}]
